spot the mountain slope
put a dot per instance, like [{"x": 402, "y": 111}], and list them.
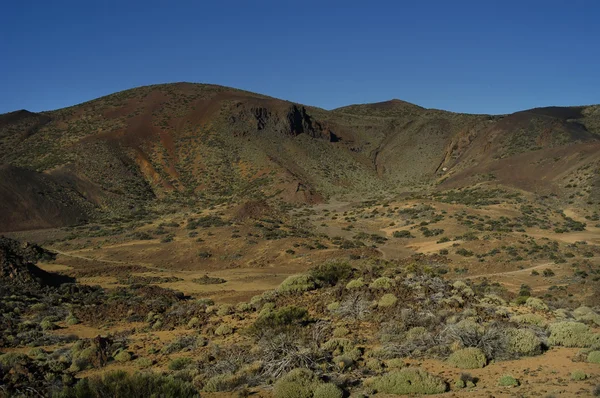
[{"x": 205, "y": 144}]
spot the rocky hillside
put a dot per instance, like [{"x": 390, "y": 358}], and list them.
[{"x": 197, "y": 144}]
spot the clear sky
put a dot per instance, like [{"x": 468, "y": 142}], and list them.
[{"x": 481, "y": 56}]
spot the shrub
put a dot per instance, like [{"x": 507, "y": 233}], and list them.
[
  {"x": 330, "y": 273},
  {"x": 523, "y": 342},
  {"x": 340, "y": 331},
  {"x": 570, "y": 334},
  {"x": 383, "y": 283},
  {"x": 179, "y": 363},
  {"x": 223, "y": 330},
  {"x": 402, "y": 234},
  {"x": 47, "y": 324},
  {"x": 387, "y": 300},
  {"x": 408, "y": 381},
  {"x": 182, "y": 343},
  {"x": 508, "y": 381},
  {"x": 594, "y": 357},
  {"x": 355, "y": 284},
  {"x": 586, "y": 314},
  {"x": 144, "y": 363},
  {"x": 333, "y": 306},
  {"x": 297, "y": 284},
  {"x": 468, "y": 358},
  {"x": 327, "y": 390},
  {"x": 223, "y": 382},
  {"x": 121, "y": 384},
  {"x": 578, "y": 375},
  {"x": 122, "y": 356},
  {"x": 10, "y": 359},
  {"x": 224, "y": 310},
  {"x": 297, "y": 383},
  {"x": 283, "y": 318},
  {"x": 536, "y": 304},
  {"x": 529, "y": 319},
  {"x": 72, "y": 320}
]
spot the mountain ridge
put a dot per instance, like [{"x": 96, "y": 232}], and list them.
[{"x": 205, "y": 144}]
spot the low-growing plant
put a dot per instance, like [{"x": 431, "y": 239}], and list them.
[
  {"x": 297, "y": 284},
  {"x": 508, "y": 381},
  {"x": 578, "y": 375},
  {"x": 468, "y": 358},
  {"x": 408, "y": 381}
]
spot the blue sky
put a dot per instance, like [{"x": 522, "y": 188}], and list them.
[{"x": 481, "y": 56}]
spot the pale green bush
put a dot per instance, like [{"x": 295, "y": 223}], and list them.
[
  {"x": 223, "y": 330},
  {"x": 523, "y": 342},
  {"x": 382, "y": 283},
  {"x": 594, "y": 357},
  {"x": 297, "y": 284},
  {"x": 578, "y": 375},
  {"x": 508, "y": 381},
  {"x": 536, "y": 304},
  {"x": 468, "y": 358},
  {"x": 355, "y": 284},
  {"x": 122, "y": 356},
  {"x": 341, "y": 331},
  {"x": 530, "y": 319},
  {"x": 408, "y": 381},
  {"x": 387, "y": 300},
  {"x": 572, "y": 334},
  {"x": 327, "y": 390}
]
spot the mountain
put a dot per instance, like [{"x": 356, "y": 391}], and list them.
[{"x": 199, "y": 144}]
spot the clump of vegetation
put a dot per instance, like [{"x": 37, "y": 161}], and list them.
[
  {"x": 594, "y": 357},
  {"x": 523, "y": 342},
  {"x": 468, "y": 358},
  {"x": 387, "y": 300},
  {"x": 508, "y": 381},
  {"x": 571, "y": 334},
  {"x": 303, "y": 383},
  {"x": 408, "y": 381},
  {"x": 297, "y": 284},
  {"x": 138, "y": 385},
  {"x": 578, "y": 375}
]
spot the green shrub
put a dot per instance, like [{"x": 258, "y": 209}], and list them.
[
  {"x": 523, "y": 342},
  {"x": 355, "y": 284},
  {"x": 468, "y": 358},
  {"x": 222, "y": 382},
  {"x": 144, "y": 363},
  {"x": 571, "y": 334},
  {"x": 327, "y": 390},
  {"x": 529, "y": 319},
  {"x": 10, "y": 359},
  {"x": 578, "y": 375},
  {"x": 223, "y": 330},
  {"x": 341, "y": 331},
  {"x": 224, "y": 310},
  {"x": 298, "y": 383},
  {"x": 586, "y": 314},
  {"x": 382, "y": 283},
  {"x": 122, "y": 356},
  {"x": 179, "y": 363},
  {"x": 121, "y": 384},
  {"x": 48, "y": 324},
  {"x": 283, "y": 318},
  {"x": 536, "y": 304},
  {"x": 333, "y": 306},
  {"x": 72, "y": 320},
  {"x": 508, "y": 381},
  {"x": 330, "y": 273},
  {"x": 387, "y": 300},
  {"x": 297, "y": 284},
  {"x": 408, "y": 381},
  {"x": 594, "y": 357}
]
